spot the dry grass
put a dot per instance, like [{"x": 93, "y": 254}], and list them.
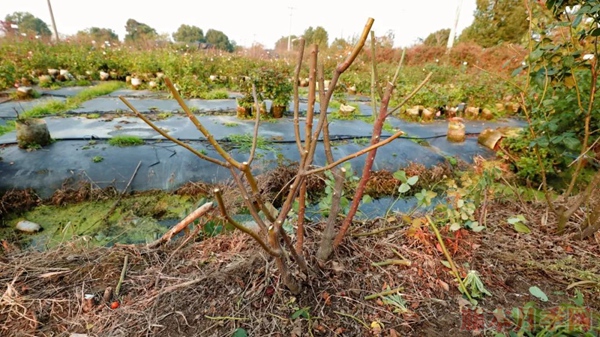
[
  {"x": 212, "y": 287},
  {"x": 16, "y": 201}
]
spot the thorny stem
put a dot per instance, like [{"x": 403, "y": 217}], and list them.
[
  {"x": 287, "y": 205},
  {"x": 200, "y": 127},
  {"x": 414, "y": 92},
  {"x": 326, "y": 139},
  {"x": 374, "y": 80},
  {"x": 256, "y": 125},
  {"x": 354, "y": 155},
  {"x": 171, "y": 138},
  {"x": 366, "y": 174},
  {"x": 249, "y": 204},
  {"x": 301, "y": 214},
  {"x": 287, "y": 278},
  {"x": 312, "y": 84},
  {"x": 246, "y": 169},
  {"x": 336, "y": 75},
  {"x": 326, "y": 245},
  {"x": 272, "y": 251},
  {"x": 296, "y": 95}
]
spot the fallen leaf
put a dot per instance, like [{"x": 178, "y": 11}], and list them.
[
  {"x": 537, "y": 292},
  {"x": 337, "y": 267},
  {"x": 327, "y": 298},
  {"x": 443, "y": 285},
  {"x": 463, "y": 303},
  {"x": 376, "y": 326}
]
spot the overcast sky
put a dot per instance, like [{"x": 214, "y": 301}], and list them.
[{"x": 258, "y": 21}]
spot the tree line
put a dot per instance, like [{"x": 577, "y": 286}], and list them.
[
  {"x": 495, "y": 22},
  {"x": 28, "y": 24}
]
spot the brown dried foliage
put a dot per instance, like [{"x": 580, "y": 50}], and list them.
[
  {"x": 499, "y": 59},
  {"x": 274, "y": 184},
  {"x": 18, "y": 201},
  {"x": 81, "y": 191}
]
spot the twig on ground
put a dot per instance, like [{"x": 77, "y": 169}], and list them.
[
  {"x": 122, "y": 277},
  {"x": 378, "y": 231},
  {"x": 226, "y": 318},
  {"x": 391, "y": 262},
  {"x": 354, "y": 318},
  {"x": 383, "y": 293},
  {"x": 202, "y": 210}
]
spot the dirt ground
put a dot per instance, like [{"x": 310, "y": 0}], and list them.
[{"x": 226, "y": 286}]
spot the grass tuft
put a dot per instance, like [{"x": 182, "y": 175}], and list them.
[
  {"x": 56, "y": 107},
  {"x": 125, "y": 140}
]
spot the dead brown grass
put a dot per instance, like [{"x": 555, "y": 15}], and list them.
[
  {"x": 17, "y": 201},
  {"x": 213, "y": 287}
]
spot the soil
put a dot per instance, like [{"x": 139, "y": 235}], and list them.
[{"x": 226, "y": 285}]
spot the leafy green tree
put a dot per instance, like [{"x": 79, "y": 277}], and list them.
[
  {"x": 438, "y": 38},
  {"x": 138, "y": 31},
  {"x": 497, "y": 21},
  {"x": 560, "y": 101},
  {"x": 189, "y": 34},
  {"x": 316, "y": 35},
  {"x": 29, "y": 24},
  {"x": 99, "y": 34},
  {"x": 219, "y": 40}
]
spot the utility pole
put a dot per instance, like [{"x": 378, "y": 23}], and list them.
[
  {"x": 290, "y": 34},
  {"x": 53, "y": 22},
  {"x": 453, "y": 30}
]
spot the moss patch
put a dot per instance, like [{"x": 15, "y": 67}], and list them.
[{"x": 137, "y": 219}]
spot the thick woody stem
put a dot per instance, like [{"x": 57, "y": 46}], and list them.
[
  {"x": 249, "y": 204},
  {"x": 256, "y": 125},
  {"x": 287, "y": 278},
  {"x": 301, "y": 214},
  {"x": 295, "y": 187},
  {"x": 171, "y": 138},
  {"x": 296, "y": 95},
  {"x": 211, "y": 139},
  {"x": 312, "y": 84},
  {"x": 366, "y": 174},
  {"x": 272, "y": 251},
  {"x": 326, "y": 245}
]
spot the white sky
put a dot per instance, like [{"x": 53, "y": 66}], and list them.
[{"x": 257, "y": 21}]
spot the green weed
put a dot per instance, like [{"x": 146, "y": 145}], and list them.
[{"x": 125, "y": 140}]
